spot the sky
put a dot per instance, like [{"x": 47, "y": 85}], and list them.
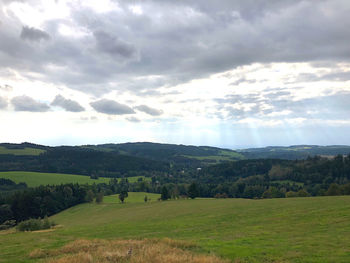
[{"x": 229, "y": 73}]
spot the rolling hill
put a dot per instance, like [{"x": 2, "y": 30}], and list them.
[
  {"x": 294, "y": 152},
  {"x": 179, "y": 154},
  {"x": 315, "y": 229}
]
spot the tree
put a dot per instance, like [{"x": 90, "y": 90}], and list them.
[
  {"x": 123, "y": 194},
  {"x": 89, "y": 196},
  {"x": 193, "y": 191},
  {"x": 291, "y": 194},
  {"x": 334, "y": 189},
  {"x": 273, "y": 192},
  {"x": 303, "y": 193},
  {"x": 5, "y": 213},
  {"x": 99, "y": 197},
  {"x": 164, "y": 193}
]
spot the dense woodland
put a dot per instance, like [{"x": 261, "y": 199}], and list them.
[
  {"x": 252, "y": 178},
  {"x": 76, "y": 160}
]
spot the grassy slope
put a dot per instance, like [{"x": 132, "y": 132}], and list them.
[
  {"x": 35, "y": 178},
  {"x": 275, "y": 230},
  {"x": 25, "y": 151},
  {"x": 223, "y": 155}
]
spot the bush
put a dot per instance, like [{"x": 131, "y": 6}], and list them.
[
  {"x": 99, "y": 197},
  {"x": 35, "y": 224},
  {"x": 8, "y": 224},
  {"x": 291, "y": 194}
]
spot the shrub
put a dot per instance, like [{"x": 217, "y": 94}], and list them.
[
  {"x": 303, "y": 193},
  {"x": 291, "y": 194},
  {"x": 99, "y": 197},
  {"x": 35, "y": 224},
  {"x": 8, "y": 224}
]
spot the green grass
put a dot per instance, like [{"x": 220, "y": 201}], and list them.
[
  {"x": 222, "y": 156},
  {"x": 315, "y": 229},
  {"x": 35, "y": 178},
  {"x": 24, "y": 151}
]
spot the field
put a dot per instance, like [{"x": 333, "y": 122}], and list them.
[
  {"x": 35, "y": 178},
  {"x": 24, "y": 151},
  {"x": 313, "y": 229},
  {"x": 222, "y": 156}
]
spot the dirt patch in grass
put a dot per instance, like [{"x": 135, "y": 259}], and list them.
[{"x": 133, "y": 251}]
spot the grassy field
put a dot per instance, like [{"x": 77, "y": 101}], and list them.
[
  {"x": 35, "y": 179},
  {"x": 222, "y": 156},
  {"x": 313, "y": 229},
  {"x": 24, "y": 151}
]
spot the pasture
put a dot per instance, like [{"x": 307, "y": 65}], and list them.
[
  {"x": 24, "y": 151},
  {"x": 33, "y": 179},
  {"x": 314, "y": 229}
]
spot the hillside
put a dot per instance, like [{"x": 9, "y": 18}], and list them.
[
  {"x": 315, "y": 229},
  {"x": 33, "y": 179},
  {"x": 179, "y": 154},
  {"x": 78, "y": 160},
  {"x": 294, "y": 152}
]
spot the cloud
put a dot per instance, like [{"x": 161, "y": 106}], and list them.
[
  {"x": 334, "y": 76},
  {"x": 113, "y": 45},
  {"x": 111, "y": 107},
  {"x": 242, "y": 80},
  {"x": 67, "y": 104},
  {"x": 33, "y": 34},
  {"x": 133, "y": 119},
  {"x": 330, "y": 107},
  {"x": 25, "y": 103},
  {"x": 149, "y": 110},
  {"x": 3, "y": 103},
  {"x": 283, "y": 104},
  {"x": 177, "y": 42},
  {"x": 6, "y": 88}
]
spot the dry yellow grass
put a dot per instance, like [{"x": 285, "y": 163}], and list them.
[{"x": 133, "y": 251}]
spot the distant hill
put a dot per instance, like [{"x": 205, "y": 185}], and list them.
[
  {"x": 180, "y": 154},
  {"x": 142, "y": 158},
  {"x": 78, "y": 160},
  {"x": 294, "y": 152}
]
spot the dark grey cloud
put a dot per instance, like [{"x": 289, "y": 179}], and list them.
[
  {"x": 113, "y": 45},
  {"x": 25, "y": 103},
  {"x": 149, "y": 110},
  {"x": 3, "y": 103},
  {"x": 33, "y": 34},
  {"x": 111, "y": 107},
  {"x": 67, "y": 104}
]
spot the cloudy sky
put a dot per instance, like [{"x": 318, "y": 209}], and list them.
[{"x": 226, "y": 73}]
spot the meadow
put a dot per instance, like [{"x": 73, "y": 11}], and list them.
[
  {"x": 313, "y": 229},
  {"x": 24, "y": 151},
  {"x": 33, "y": 179}
]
